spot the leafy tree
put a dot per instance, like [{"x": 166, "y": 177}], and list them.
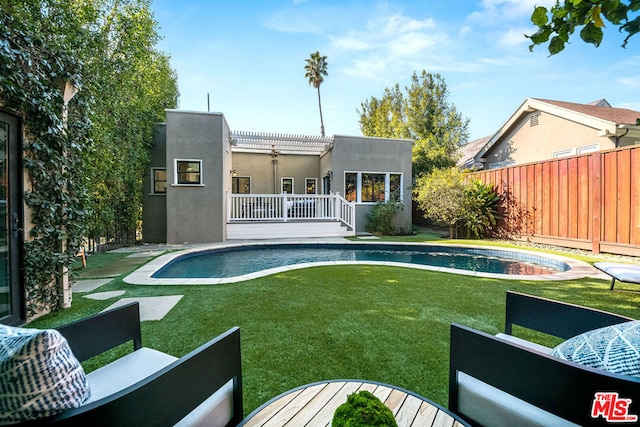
[
  {"x": 448, "y": 197},
  {"x": 315, "y": 70},
  {"x": 556, "y": 26},
  {"x": 135, "y": 84},
  {"x": 106, "y": 49},
  {"x": 440, "y": 195},
  {"x": 422, "y": 113}
]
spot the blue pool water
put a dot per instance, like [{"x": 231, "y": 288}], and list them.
[{"x": 237, "y": 261}]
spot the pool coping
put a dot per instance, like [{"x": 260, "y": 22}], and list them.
[{"x": 142, "y": 276}]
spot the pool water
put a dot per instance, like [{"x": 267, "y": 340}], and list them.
[{"x": 237, "y": 261}]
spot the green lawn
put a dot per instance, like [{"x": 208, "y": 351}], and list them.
[{"x": 383, "y": 324}]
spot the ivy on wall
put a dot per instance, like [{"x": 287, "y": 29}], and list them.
[
  {"x": 31, "y": 77},
  {"x": 85, "y": 170}
]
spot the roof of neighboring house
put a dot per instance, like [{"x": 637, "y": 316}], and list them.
[
  {"x": 468, "y": 153},
  {"x": 620, "y": 116},
  {"x": 609, "y": 121}
]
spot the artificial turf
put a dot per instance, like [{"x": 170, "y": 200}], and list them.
[{"x": 386, "y": 324}]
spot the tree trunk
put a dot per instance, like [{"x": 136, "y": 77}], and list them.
[{"x": 320, "y": 108}]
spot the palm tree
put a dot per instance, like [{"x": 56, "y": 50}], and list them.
[{"x": 315, "y": 70}]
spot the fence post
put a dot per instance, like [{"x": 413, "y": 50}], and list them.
[
  {"x": 596, "y": 201},
  {"x": 284, "y": 206}
]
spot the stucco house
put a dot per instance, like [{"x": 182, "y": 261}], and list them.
[
  {"x": 208, "y": 184},
  {"x": 542, "y": 129}
]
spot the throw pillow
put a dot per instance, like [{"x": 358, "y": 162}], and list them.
[
  {"x": 613, "y": 348},
  {"x": 39, "y": 375}
]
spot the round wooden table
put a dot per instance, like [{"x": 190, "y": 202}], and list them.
[{"x": 314, "y": 405}]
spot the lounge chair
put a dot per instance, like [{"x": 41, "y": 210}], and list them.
[{"x": 628, "y": 273}]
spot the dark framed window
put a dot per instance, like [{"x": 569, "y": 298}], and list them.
[
  {"x": 287, "y": 185},
  {"x": 311, "y": 185},
  {"x": 189, "y": 172},
  {"x": 373, "y": 187},
  {"x": 159, "y": 184},
  {"x": 241, "y": 185},
  {"x": 394, "y": 187},
  {"x": 351, "y": 186}
]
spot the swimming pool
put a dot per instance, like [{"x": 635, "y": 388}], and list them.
[
  {"x": 231, "y": 262},
  {"x": 566, "y": 268}
]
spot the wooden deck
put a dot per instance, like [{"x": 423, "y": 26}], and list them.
[{"x": 314, "y": 405}]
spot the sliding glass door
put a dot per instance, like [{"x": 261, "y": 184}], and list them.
[{"x": 11, "y": 296}]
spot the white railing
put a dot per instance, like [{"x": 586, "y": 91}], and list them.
[{"x": 289, "y": 207}]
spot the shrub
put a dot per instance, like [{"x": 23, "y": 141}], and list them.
[
  {"x": 448, "y": 197},
  {"x": 381, "y": 219},
  {"x": 480, "y": 213},
  {"x": 363, "y": 409}
]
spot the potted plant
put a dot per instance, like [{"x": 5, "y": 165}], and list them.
[{"x": 363, "y": 409}]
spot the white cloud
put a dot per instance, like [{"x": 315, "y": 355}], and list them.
[
  {"x": 398, "y": 24},
  {"x": 350, "y": 43},
  {"x": 630, "y": 83},
  {"x": 514, "y": 37},
  {"x": 629, "y": 105},
  {"x": 505, "y": 10},
  {"x": 389, "y": 43}
]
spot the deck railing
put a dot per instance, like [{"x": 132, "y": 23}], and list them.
[{"x": 290, "y": 207}]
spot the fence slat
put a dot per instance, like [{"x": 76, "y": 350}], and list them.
[{"x": 587, "y": 198}]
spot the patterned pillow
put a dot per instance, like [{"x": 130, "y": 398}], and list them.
[
  {"x": 614, "y": 348},
  {"x": 39, "y": 376}
]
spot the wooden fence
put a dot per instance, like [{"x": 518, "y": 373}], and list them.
[{"x": 589, "y": 201}]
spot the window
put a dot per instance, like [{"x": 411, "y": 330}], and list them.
[
  {"x": 287, "y": 185},
  {"x": 159, "y": 184},
  {"x": 588, "y": 148},
  {"x": 351, "y": 186},
  {"x": 241, "y": 185},
  {"x": 311, "y": 185},
  {"x": 368, "y": 187},
  {"x": 188, "y": 172},
  {"x": 563, "y": 153},
  {"x": 394, "y": 187},
  {"x": 498, "y": 165},
  {"x": 372, "y": 187}
]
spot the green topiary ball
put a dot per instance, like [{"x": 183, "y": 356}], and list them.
[{"x": 363, "y": 409}]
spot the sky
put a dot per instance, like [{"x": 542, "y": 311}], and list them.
[{"x": 246, "y": 58}]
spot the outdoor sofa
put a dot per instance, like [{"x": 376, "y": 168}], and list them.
[
  {"x": 145, "y": 387},
  {"x": 503, "y": 380}
]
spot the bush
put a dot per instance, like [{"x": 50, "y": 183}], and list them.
[
  {"x": 381, "y": 218},
  {"x": 448, "y": 197},
  {"x": 480, "y": 213},
  {"x": 363, "y": 409}
]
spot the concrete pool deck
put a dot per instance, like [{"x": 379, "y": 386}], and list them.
[{"x": 143, "y": 275}]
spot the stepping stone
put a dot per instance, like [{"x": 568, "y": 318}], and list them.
[
  {"x": 101, "y": 296},
  {"x": 88, "y": 285},
  {"x": 368, "y": 237},
  {"x": 151, "y": 308}
]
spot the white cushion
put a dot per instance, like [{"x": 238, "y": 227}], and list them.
[
  {"x": 39, "y": 375},
  {"x": 215, "y": 411},
  {"x": 623, "y": 272},
  {"x": 613, "y": 348},
  {"x": 126, "y": 371},
  {"x": 492, "y": 407},
  {"x": 525, "y": 343}
]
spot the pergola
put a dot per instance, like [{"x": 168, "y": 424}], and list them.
[{"x": 278, "y": 143}]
